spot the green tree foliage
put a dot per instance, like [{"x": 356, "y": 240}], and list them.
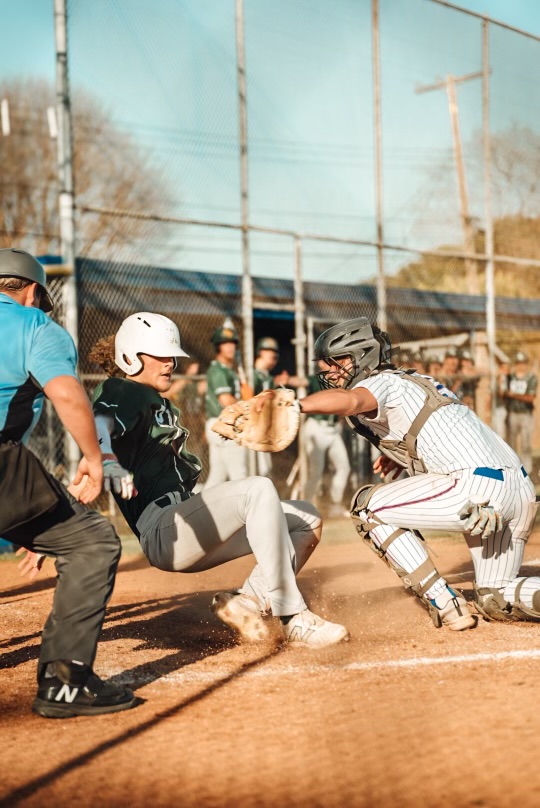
[{"x": 516, "y": 236}]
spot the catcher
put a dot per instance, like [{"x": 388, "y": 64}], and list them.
[
  {"x": 462, "y": 477},
  {"x": 180, "y": 531}
]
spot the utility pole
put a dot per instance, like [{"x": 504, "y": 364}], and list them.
[{"x": 468, "y": 230}]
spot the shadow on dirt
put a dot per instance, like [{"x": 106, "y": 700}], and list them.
[
  {"x": 180, "y": 622},
  {"x": 76, "y": 763}
]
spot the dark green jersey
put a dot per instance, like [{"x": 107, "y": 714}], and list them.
[
  {"x": 219, "y": 379},
  {"x": 262, "y": 380},
  {"x": 314, "y": 386},
  {"x": 148, "y": 441}
]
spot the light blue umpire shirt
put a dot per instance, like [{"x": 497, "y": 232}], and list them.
[{"x": 33, "y": 350}]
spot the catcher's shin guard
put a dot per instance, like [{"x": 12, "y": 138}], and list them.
[
  {"x": 492, "y": 605},
  {"x": 411, "y": 580}
]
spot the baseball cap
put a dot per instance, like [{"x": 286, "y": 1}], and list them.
[
  {"x": 20, "y": 264},
  {"x": 267, "y": 344},
  {"x": 224, "y": 334},
  {"x": 521, "y": 357}
]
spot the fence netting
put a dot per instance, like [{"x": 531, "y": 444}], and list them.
[{"x": 158, "y": 177}]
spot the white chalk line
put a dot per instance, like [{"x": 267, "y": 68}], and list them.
[{"x": 186, "y": 676}]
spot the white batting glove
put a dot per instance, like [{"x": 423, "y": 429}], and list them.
[
  {"x": 481, "y": 519},
  {"x": 117, "y": 479}
]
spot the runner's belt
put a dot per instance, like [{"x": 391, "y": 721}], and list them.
[{"x": 169, "y": 499}]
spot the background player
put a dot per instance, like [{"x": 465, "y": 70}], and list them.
[
  {"x": 228, "y": 460},
  {"x": 520, "y": 397},
  {"x": 39, "y": 359},
  {"x": 322, "y": 434},
  {"x": 460, "y": 469},
  {"x": 184, "y": 532},
  {"x": 266, "y": 359}
]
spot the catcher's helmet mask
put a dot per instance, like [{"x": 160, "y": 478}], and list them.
[
  {"x": 145, "y": 333},
  {"x": 364, "y": 345}
]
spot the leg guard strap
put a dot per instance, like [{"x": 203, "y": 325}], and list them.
[
  {"x": 491, "y": 604},
  {"x": 411, "y": 580}
]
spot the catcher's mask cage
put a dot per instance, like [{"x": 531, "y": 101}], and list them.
[
  {"x": 365, "y": 345},
  {"x": 148, "y": 333}
]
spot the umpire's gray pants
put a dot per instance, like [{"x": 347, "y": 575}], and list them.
[
  {"x": 232, "y": 520},
  {"x": 87, "y": 551}
]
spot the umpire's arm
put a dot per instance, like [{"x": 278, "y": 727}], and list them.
[{"x": 70, "y": 401}]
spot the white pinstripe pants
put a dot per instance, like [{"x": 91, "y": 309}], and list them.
[{"x": 432, "y": 501}]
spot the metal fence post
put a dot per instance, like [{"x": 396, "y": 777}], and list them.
[
  {"x": 381, "y": 284},
  {"x": 300, "y": 352},
  {"x": 491, "y": 326},
  {"x": 66, "y": 197}
]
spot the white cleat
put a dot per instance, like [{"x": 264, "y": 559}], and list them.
[
  {"x": 242, "y": 613},
  {"x": 311, "y": 631},
  {"x": 456, "y": 615}
]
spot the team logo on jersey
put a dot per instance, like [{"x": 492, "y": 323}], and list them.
[{"x": 166, "y": 419}]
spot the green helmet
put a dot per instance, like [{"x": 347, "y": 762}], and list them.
[
  {"x": 224, "y": 334},
  {"x": 267, "y": 344},
  {"x": 20, "y": 264}
]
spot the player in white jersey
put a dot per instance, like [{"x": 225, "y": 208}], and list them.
[{"x": 462, "y": 477}]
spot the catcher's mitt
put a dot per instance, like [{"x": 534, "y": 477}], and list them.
[{"x": 270, "y": 430}]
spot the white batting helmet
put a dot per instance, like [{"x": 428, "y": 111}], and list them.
[{"x": 145, "y": 332}]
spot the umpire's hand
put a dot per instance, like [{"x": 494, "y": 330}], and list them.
[{"x": 93, "y": 470}]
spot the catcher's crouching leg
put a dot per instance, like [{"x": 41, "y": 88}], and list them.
[
  {"x": 454, "y": 613},
  {"x": 507, "y": 603}
]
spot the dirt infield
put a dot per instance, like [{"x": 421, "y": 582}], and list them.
[{"x": 402, "y": 715}]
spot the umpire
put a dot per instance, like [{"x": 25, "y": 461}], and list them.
[{"x": 39, "y": 359}]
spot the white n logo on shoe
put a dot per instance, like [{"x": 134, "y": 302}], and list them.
[
  {"x": 66, "y": 694},
  {"x": 300, "y": 634}
]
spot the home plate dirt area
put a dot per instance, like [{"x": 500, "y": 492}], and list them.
[{"x": 402, "y": 715}]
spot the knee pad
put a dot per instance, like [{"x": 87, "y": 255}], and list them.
[
  {"x": 411, "y": 580},
  {"x": 360, "y": 502}
]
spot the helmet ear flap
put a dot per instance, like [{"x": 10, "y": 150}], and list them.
[{"x": 131, "y": 365}]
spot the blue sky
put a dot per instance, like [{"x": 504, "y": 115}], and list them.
[
  {"x": 28, "y": 29},
  {"x": 165, "y": 69}
]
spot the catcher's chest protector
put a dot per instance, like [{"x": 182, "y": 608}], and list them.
[{"x": 404, "y": 451}]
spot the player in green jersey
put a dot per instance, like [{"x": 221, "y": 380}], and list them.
[
  {"x": 180, "y": 531},
  {"x": 228, "y": 460}
]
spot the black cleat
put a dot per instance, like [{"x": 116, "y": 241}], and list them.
[{"x": 67, "y": 688}]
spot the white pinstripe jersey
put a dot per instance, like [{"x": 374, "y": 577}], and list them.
[{"x": 453, "y": 438}]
